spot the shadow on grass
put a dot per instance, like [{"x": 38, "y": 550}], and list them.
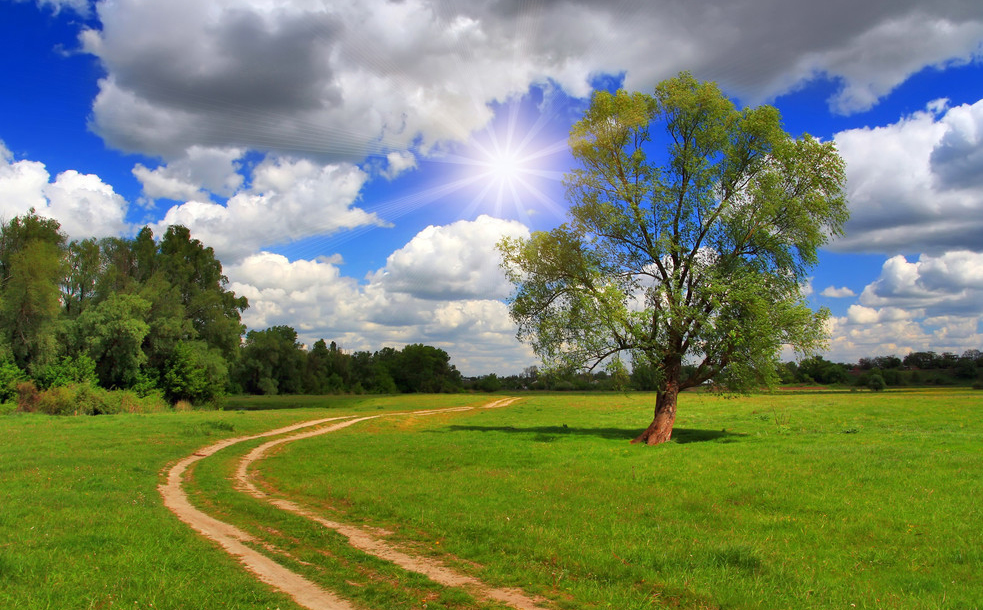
[{"x": 545, "y": 434}]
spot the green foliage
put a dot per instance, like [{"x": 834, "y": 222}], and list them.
[
  {"x": 112, "y": 334},
  {"x": 700, "y": 258},
  {"x": 195, "y": 373},
  {"x": 819, "y": 370},
  {"x": 876, "y": 383},
  {"x": 192, "y": 268},
  {"x": 67, "y": 371},
  {"x": 488, "y": 383},
  {"x": 422, "y": 368},
  {"x": 10, "y": 376},
  {"x": 79, "y": 286},
  {"x": 271, "y": 362},
  {"x": 30, "y": 305}
]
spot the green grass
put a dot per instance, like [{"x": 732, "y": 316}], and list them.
[
  {"x": 83, "y": 526},
  {"x": 793, "y": 500},
  {"x": 796, "y": 500}
]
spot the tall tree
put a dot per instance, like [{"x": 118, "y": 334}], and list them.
[
  {"x": 22, "y": 231},
  {"x": 30, "y": 302},
  {"x": 698, "y": 259},
  {"x": 78, "y": 289},
  {"x": 272, "y": 362},
  {"x": 112, "y": 334},
  {"x": 192, "y": 268}
]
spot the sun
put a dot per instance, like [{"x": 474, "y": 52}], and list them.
[
  {"x": 505, "y": 166},
  {"x": 511, "y": 168}
]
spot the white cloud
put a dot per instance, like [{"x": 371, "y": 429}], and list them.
[
  {"x": 192, "y": 176},
  {"x": 86, "y": 206},
  {"x": 317, "y": 300},
  {"x": 457, "y": 261},
  {"x": 342, "y": 80},
  {"x": 806, "y": 287},
  {"x": 872, "y": 64},
  {"x": 288, "y": 199},
  {"x": 914, "y": 185},
  {"x": 934, "y": 303},
  {"x": 398, "y": 162},
  {"x": 83, "y": 204},
  {"x": 837, "y": 293}
]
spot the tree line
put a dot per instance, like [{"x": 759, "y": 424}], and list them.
[
  {"x": 924, "y": 368},
  {"x": 155, "y": 318}
]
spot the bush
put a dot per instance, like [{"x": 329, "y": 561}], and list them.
[
  {"x": 27, "y": 396},
  {"x": 67, "y": 371},
  {"x": 85, "y": 399},
  {"x": 195, "y": 373},
  {"x": 10, "y": 375},
  {"x": 876, "y": 383}
]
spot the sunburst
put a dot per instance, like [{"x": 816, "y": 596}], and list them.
[{"x": 510, "y": 168}]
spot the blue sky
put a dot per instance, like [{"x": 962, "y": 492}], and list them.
[{"x": 353, "y": 164}]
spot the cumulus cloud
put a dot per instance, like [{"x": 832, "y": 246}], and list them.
[
  {"x": 83, "y": 204},
  {"x": 314, "y": 297},
  {"x": 287, "y": 200},
  {"x": 342, "y": 80},
  {"x": 950, "y": 284},
  {"x": 871, "y": 65},
  {"x": 398, "y": 162},
  {"x": 914, "y": 186},
  {"x": 934, "y": 303},
  {"x": 837, "y": 293},
  {"x": 196, "y": 173},
  {"x": 457, "y": 261}
]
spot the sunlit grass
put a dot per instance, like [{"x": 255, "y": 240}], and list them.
[{"x": 804, "y": 500}]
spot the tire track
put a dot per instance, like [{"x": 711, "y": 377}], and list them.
[{"x": 302, "y": 590}]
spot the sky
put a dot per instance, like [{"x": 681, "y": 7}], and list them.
[{"x": 353, "y": 164}]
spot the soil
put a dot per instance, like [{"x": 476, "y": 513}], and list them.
[{"x": 303, "y": 591}]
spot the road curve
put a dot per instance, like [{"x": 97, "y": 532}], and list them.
[{"x": 302, "y": 590}]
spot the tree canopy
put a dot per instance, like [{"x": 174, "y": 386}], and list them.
[{"x": 692, "y": 227}]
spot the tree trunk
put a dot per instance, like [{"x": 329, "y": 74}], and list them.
[{"x": 660, "y": 430}]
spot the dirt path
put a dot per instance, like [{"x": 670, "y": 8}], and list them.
[{"x": 303, "y": 591}]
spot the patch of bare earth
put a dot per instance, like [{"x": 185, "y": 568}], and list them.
[{"x": 303, "y": 591}]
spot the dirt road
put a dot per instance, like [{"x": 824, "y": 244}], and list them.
[{"x": 302, "y": 590}]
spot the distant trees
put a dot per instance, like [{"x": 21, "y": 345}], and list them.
[{"x": 273, "y": 362}]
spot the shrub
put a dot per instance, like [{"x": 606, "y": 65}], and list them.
[
  {"x": 195, "y": 373},
  {"x": 66, "y": 371},
  {"x": 59, "y": 400},
  {"x": 10, "y": 374},
  {"x": 86, "y": 399},
  {"x": 876, "y": 383},
  {"x": 27, "y": 396}
]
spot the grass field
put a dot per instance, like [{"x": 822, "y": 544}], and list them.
[{"x": 798, "y": 500}]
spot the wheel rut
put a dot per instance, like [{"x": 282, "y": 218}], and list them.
[{"x": 302, "y": 590}]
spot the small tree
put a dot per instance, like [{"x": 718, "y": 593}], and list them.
[
  {"x": 698, "y": 259},
  {"x": 876, "y": 382}
]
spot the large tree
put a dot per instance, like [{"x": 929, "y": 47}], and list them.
[{"x": 692, "y": 227}]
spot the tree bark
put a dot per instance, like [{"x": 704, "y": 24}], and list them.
[{"x": 660, "y": 430}]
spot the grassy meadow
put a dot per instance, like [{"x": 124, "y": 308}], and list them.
[{"x": 786, "y": 500}]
